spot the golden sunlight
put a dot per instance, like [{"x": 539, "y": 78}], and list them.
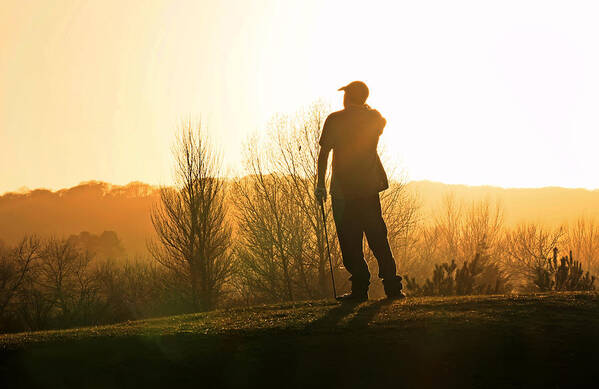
[{"x": 473, "y": 93}]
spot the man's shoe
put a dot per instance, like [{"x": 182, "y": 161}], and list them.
[
  {"x": 396, "y": 296},
  {"x": 353, "y": 297},
  {"x": 393, "y": 288}
]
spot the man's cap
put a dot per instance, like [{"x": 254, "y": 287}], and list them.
[{"x": 357, "y": 90}]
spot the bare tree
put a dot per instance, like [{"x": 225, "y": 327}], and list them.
[
  {"x": 528, "y": 246},
  {"x": 64, "y": 274},
  {"x": 282, "y": 249},
  {"x": 294, "y": 156},
  {"x": 15, "y": 265},
  {"x": 193, "y": 234},
  {"x": 583, "y": 239},
  {"x": 59, "y": 289},
  {"x": 270, "y": 232}
]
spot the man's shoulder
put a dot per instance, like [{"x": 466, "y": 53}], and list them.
[
  {"x": 373, "y": 112},
  {"x": 365, "y": 109},
  {"x": 335, "y": 119},
  {"x": 352, "y": 114},
  {"x": 375, "y": 116},
  {"x": 336, "y": 114}
]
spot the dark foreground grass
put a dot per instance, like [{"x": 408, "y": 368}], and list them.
[{"x": 549, "y": 341}]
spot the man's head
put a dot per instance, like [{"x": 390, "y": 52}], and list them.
[{"x": 356, "y": 92}]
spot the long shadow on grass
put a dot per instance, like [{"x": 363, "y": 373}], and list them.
[
  {"x": 332, "y": 317},
  {"x": 362, "y": 317},
  {"x": 367, "y": 312}
]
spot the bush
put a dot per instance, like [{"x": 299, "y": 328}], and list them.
[
  {"x": 565, "y": 275},
  {"x": 478, "y": 276}
]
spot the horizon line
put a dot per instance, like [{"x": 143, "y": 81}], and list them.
[{"x": 25, "y": 190}]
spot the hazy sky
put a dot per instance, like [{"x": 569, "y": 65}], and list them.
[{"x": 475, "y": 92}]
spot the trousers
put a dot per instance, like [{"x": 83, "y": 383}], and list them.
[{"x": 354, "y": 218}]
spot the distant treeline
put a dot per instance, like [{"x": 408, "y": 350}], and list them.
[
  {"x": 99, "y": 206},
  {"x": 91, "y": 206}
]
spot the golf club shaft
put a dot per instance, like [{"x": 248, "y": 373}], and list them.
[{"x": 326, "y": 238}]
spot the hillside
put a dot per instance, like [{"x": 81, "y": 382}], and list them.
[
  {"x": 96, "y": 207},
  {"x": 550, "y": 205},
  {"x": 482, "y": 341},
  {"x": 93, "y": 207}
]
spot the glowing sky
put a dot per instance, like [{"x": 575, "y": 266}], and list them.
[{"x": 475, "y": 92}]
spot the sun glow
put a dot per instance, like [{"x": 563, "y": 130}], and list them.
[{"x": 474, "y": 93}]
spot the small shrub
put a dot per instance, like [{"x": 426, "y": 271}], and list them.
[
  {"x": 478, "y": 276},
  {"x": 563, "y": 275}
]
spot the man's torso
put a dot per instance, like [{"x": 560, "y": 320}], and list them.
[{"x": 353, "y": 134}]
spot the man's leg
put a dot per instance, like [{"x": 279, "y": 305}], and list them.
[
  {"x": 350, "y": 233},
  {"x": 376, "y": 234}
]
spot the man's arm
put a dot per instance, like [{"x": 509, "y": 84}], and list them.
[
  {"x": 320, "y": 191},
  {"x": 323, "y": 161},
  {"x": 326, "y": 143},
  {"x": 382, "y": 122}
]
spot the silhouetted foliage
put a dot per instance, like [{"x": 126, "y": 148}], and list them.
[
  {"x": 107, "y": 245},
  {"x": 280, "y": 250},
  {"x": 527, "y": 246},
  {"x": 53, "y": 283},
  {"x": 194, "y": 237},
  {"x": 15, "y": 267},
  {"x": 563, "y": 275},
  {"x": 472, "y": 278},
  {"x": 582, "y": 238}
]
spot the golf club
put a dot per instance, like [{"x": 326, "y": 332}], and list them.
[{"x": 326, "y": 238}]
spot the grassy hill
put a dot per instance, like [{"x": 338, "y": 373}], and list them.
[{"x": 548, "y": 341}]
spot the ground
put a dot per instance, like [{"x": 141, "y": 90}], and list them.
[{"x": 548, "y": 340}]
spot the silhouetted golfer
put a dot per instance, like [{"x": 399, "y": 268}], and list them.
[{"x": 358, "y": 177}]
